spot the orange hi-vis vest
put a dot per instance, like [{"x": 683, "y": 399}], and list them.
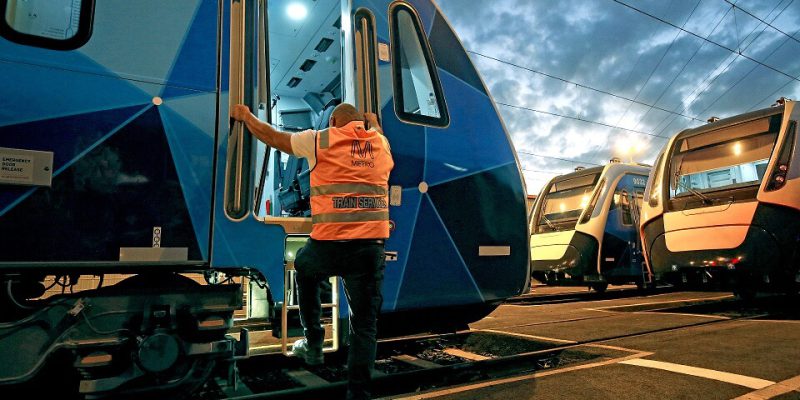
[{"x": 350, "y": 184}]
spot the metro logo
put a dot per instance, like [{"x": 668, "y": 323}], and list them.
[{"x": 356, "y": 148}]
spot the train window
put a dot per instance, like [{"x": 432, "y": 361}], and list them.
[
  {"x": 727, "y": 158},
  {"x": 653, "y": 187},
  {"x": 417, "y": 92},
  {"x": 625, "y": 206},
  {"x": 52, "y": 24}
]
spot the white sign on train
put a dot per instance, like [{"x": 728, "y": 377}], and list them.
[{"x": 16, "y": 168}]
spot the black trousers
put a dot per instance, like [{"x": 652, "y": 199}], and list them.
[{"x": 360, "y": 263}]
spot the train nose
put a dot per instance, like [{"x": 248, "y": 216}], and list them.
[
  {"x": 570, "y": 265},
  {"x": 758, "y": 252}
]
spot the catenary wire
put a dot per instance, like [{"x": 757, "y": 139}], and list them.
[
  {"x": 709, "y": 40},
  {"x": 576, "y": 118},
  {"x": 578, "y": 84}
]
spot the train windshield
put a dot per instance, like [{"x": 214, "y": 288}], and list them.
[
  {"x": 563, "y": 203},
  {"x": 728, "y": 158}
]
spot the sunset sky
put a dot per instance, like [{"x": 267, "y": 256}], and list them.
[{"x": 580, "y": 82}]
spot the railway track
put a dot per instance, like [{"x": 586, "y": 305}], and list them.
[{"x": 418, "y": 364}]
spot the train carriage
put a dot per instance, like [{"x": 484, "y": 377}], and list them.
[
  {"x": 119, "y": 157},
  {"x": 583, "y": 229},
  {"x": 723, "y": 202}
]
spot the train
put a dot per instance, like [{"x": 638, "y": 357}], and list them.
[
  {"x": 723, "y": 203},
  {"x": 119, "y": 157},
  {"x": 584, "y": 227}
]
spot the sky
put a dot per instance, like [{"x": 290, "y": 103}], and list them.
[{"x": 580, "y": 82}]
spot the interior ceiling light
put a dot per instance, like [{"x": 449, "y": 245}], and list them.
[{"x": 296, "y": 11}]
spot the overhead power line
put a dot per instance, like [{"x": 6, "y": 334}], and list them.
[
  {"x": 556, "y": 158},
  {"x": 544, "y": 172},
  {"x": 658, "y": 64},
  {"x": 683, "y": 68},
  {"x": 709, "y": 40},
  {"x": 762, "y": 21},
  {"x": 708, "y": 81},
  {"x": 577, "y": 119},
  {"x": 580, "y": 85}
]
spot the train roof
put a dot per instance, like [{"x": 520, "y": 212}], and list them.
[
  {"x": 730, "y": 121},
  {"x": 611, "y": 169}
]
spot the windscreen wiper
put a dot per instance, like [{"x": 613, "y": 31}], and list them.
[
  {"x": 705, "y": 199},
  {"x": 549, "y": 223}
]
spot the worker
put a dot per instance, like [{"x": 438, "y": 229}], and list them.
[{"x": 350, "y": 164}]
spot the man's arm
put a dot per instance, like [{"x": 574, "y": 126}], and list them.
[{"x": 261, "y": 130}]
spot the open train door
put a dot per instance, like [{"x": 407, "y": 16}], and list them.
[{"x": 284, "y": 67}]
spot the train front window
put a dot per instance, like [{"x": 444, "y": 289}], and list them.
[
  {"x": 563, "y": 203},
  {"x": 729, "y": 158}
]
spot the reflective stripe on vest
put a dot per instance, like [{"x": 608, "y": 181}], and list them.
[
  {"x": 349, "y": 184},
  {"x": 358, "y": 188},
  {"x": 362, "y": 216}
]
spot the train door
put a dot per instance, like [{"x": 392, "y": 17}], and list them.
[
  {"x": 620, "y": 261},
  {"x": 283, "y": 59},
  {"x": 637, "y": 263}
]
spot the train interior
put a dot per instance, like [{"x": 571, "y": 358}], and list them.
[{"x": 305, "y": 85}]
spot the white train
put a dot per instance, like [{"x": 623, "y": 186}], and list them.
[
  {"x": 584, "y": 227},
  {"x": 724, "y": 200}
]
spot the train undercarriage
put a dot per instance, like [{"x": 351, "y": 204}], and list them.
[{"x": 161, "y": 332}]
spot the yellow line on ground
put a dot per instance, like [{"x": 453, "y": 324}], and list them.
[
  {"x": 779, "y": 321},
  {"x": 666, "y": 302},
  {"x": 720, "y": 317},
  {"x": 782, "y": 387},
  {"x": 736, "y": 379},
  {"x": 617, "y": 348},
  {"x": 466, "y": 388}
]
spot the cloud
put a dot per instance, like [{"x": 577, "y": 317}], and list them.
[{"x": 606, "y": 46}]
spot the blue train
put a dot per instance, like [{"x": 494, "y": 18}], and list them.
[
  {"x": 584, "y": 228},
  {"x": 119, "y": 157}
]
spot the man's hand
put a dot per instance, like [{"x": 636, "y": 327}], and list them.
[
  {"x": 372, "y": 121},
  {"x": 240, "y": 112}
]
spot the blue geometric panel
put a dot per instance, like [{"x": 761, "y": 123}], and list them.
[
  {"x": 125, "y": 33},
  {"x": 198, "y": 109},
  {"x": 490, "y": 211},
  {"x": 192, "y": 151},
  {"x": 65, "y": 136},
  {"x": 435, "y": 273},
  {"x": 408, "y": 149},
  {"x": 196, "y": 63},
  {"x": 472, "y": 143},
  {"x": 405, "y": 219},
  {"x": 110, "y": 197},
  {"x": 48, "y": 93}
]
